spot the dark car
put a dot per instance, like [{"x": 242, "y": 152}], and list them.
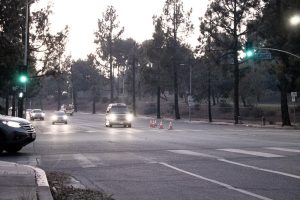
[
  {"x": 118, "y": 114},
  {"x": 15, "y": 133},
  {"x": 37, "y": 114},
  {"x": 59, "y": 117}
]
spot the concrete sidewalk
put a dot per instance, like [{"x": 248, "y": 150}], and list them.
[{"x": 23, "y": 182}]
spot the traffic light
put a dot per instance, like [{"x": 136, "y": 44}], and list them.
[
  {"x": 22, "y": 74},
  {"x": 249, "y": 50}
]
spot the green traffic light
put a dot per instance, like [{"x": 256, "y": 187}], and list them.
[
  {"x": 249, "y": 53},
  {"x": 23, "y": 79}
]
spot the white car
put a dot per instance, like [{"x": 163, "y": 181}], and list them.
[
  {"x": 118, "y": 114},
  {"x": 37, "y": 114},
  {"x": 59, "y": 117}
]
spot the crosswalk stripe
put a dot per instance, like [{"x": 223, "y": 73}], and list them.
[
  {"x": 83, "y": 161},
  {"x": 284, "y": 149},
  {"x": 254, "y": 153},
  {"x": 192, "y": 153}
]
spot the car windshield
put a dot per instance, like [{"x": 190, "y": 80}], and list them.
[
  {"x": 60, "y": 113},
  {"x": 37, "y": 111},
  {"x": 119, "y": 109}
]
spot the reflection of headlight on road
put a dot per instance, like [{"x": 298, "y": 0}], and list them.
[
  {"x": 129, "y": 117},
  {"x": 54, "y": 117},
  {"x": 112, "y": 117},
  {"x": 65, "y": 117},
  {"x": 12, "y": 124}
]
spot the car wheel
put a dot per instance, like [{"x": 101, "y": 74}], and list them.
[
  {"x": 53, "y": 123},
  {"x": 110, "y": 125},
  {"x": 66, "y": 122},
  {"x": 129, "y": 125},
  {"x": 13, "y": 149}
]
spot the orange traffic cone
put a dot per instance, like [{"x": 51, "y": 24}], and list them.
[
  {"x": 170, "y": 126},
  {"x": 155, "y": 124},
  {"x": 161, "y": 125}
]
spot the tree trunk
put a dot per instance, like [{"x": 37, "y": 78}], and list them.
[
  {"x": 6, "y": 104},
  {"x": 176, "y": 106},
  {"x": 236, "y": 69},
  {"x": 158, "y": 103},
  {"x": 133, "y": 87},
  {"x": 209, "y": 95},
  {"x": 285, "y": 117},
  {"x": 58, "y": 94},
  {"x": 75, "y": 100}
]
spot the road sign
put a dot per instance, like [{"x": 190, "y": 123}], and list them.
[{"x": 263, "y": 56}]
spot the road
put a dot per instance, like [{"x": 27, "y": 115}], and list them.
[{"x": 192, "y": 161}]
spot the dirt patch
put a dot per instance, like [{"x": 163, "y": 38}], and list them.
[{"x": 65, "y": 187}]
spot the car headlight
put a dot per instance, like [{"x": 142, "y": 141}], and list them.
[
  {"x": 43, "y": 114},
  {"x": 12, "y": 124},
  {"x": 112, "y": 117},
  {"x": 33, "y": 115},
  {"x": 129, "y": 117},
  {"x": 65, "y": 117}
]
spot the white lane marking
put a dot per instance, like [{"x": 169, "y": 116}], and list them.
[
  {"x": 192, "y": 153},
  {"x": 90, "y": 131},
  {"x": 284, "y": 149},
  {"x": 216, "y": 182},
  {"x": 187, "y": 152},
  {"x": 260, "y": 169},
  {"x": 83, "y": 161},
  {"x": 254, "y": 153}
]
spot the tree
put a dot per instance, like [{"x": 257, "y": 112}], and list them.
[
  {"x": 175, "y": 21},
  {"x": 279, "y": 34},
  {"x": 105, "y": 37},
  {"x": 230, "y": 17},
  {"x": 155, "y": 53}
]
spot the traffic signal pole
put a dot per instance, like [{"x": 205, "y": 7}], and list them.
[{"x": 25, "y": 62}]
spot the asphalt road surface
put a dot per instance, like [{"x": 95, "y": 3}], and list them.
[{"x": 192, "y": 161}]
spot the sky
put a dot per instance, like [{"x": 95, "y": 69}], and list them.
[{"x": 134, "y": 15}]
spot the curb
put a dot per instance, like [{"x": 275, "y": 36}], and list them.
[{"x": 43, "y": 189}]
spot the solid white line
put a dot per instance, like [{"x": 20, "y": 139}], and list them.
[
  {"x": 217, "y": 182},
  {"x": 84, "y": 161},
  {"x": 254, "y": 153},
  {"x": 284, "y": 149}
]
